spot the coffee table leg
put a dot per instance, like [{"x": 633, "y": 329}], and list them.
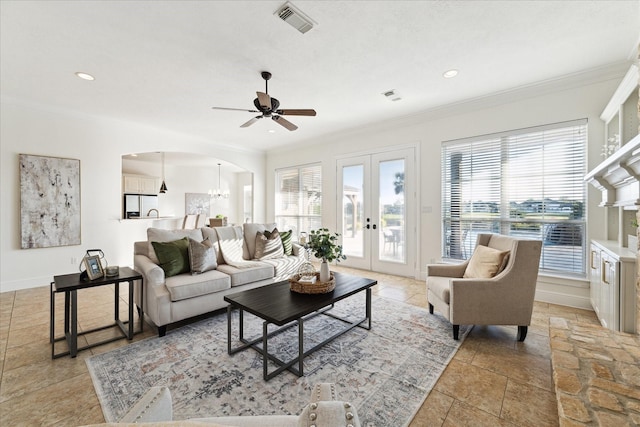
[
  {"x": 368, "y": 308},
  {"x": 229, "y": 329},
  {"x": 264, "y": 351},
  {"x": 300, "y": 347}
]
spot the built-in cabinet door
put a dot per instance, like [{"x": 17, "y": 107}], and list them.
[
  {"x": 596, "y": 287},
  {"x": 133, "y": 184},
  {"x": 610, "y": 291}
]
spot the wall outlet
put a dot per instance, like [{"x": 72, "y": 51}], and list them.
[{"x": 74, "y": 260}]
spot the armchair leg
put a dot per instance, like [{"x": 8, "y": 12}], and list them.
[
  {"x": 522, "y": 333},
  {"x": 162, "y": 330},
  {"x": 430, "y": 308},
  {"x": 456, "y": 332}
]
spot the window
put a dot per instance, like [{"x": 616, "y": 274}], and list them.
[
  {"x": 299, "y": 198},
  {"x": 527, "y": 183}
]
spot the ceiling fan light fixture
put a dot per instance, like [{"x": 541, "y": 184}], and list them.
[{"x": 294, "y": 17}]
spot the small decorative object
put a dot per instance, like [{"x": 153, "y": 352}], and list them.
[
  {"x": 611, "y": 146},
  {"x": 302, "y": 238},
  {"x": 317, "y": 287},
  {"x": 93, "y": 267},
  {"x": 324, "y": 245},
  {"x": 112, "y": 270},
  {"x": 307, "y": 270}
]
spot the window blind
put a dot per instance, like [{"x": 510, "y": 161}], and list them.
[
  {"x": 526, "y": 183},
  {"x": 298, "y": 195}
]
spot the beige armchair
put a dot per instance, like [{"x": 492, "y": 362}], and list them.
[{"x": 504, "y": 299}]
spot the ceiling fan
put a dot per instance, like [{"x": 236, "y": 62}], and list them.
[{"x": 269, "y": 107}]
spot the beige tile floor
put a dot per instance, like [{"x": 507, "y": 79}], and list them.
[{"x": 493, "y": 380}]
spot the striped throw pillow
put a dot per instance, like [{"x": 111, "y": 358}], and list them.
[{"x": 268, "y": 247}]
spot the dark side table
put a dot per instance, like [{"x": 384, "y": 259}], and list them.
[{"x": 70, "y": 284}]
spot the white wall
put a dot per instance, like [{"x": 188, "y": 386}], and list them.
[
  {"x": 99, "y": 143},
  {"x": 533, "y": 106}
]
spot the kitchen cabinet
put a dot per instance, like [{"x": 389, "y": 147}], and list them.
[
  {"x": 140, "y": 184},
  {"x": 612, "y": 280}
]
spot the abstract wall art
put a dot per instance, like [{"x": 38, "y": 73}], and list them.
[
  {"x": 49, "y": 201},
  {"x": 197, "y": 203}
]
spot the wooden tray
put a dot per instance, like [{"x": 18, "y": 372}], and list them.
[{"x": 312, "y": 288}]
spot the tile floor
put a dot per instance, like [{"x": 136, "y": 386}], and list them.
[{"x": 492, "y": 381}]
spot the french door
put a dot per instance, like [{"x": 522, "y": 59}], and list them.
[{"x": 376, "y": 216}]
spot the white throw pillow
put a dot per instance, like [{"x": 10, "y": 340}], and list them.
[{"x": 485, "y": 263}]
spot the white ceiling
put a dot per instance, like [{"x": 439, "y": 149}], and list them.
[{"x": 166, "y": 63}]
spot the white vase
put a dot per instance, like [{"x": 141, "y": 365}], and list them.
[{"x": 324, "y": 271}]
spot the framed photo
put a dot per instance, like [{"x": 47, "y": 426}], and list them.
[{"x": 93, "y": 266}]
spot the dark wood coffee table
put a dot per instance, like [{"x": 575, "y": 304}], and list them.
[{"x": 278, "y": 305}]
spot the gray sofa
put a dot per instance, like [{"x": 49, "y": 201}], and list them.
[{"x": 171, "y": 299}]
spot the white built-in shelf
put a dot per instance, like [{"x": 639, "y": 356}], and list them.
[{"x": 618, "y": 176}]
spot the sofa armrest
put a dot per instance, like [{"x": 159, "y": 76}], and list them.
[
  {"x": 153, "y": 406},
  {"x": 153, "y": 273},
  {"x": 447, "y": 270},
  {"x": 298, "y": 250}
]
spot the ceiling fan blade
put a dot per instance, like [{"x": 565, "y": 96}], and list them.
[
  {"x": 235, "y": 109},
  {"x": 264, "y": 100},
  {"x": 250, "y": 122},
  {"x": 284, "y": 122},
  {"x": 298, "y": 112}
]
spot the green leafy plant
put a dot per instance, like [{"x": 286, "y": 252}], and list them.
[{"x": 324, "y": 245}]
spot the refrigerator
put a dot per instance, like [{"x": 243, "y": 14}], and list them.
[{"x": 138, "y": 206}]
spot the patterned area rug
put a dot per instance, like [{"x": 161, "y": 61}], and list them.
[{"x": 386, "y": 372}]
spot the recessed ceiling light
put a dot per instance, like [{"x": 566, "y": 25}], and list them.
[
  {"x": 450, "y": 73},
  {"x": 271, "y": 131},
  {"x": 85, "y": 76}
]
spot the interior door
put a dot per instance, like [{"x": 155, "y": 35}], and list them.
[{"x": 377, "y": 211}]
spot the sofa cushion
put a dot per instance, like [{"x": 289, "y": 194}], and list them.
[
  {"x": 173, "y": 256},
  {"x": 185, "y": 286},
  {"x": 240, "y": 276},
  {"x": 268, "y": 245},
  {"x": 202, "y": 256},
  {"x": 286, "y": 266},
  {"x": 439, "y": 286},
  {"x": 160, "y": 235},
  {"x": 250, "y": 230},
  {"x": 485, "y": 263}
]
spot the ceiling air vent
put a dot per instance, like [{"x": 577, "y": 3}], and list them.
[{"x": 292, "y": 16}]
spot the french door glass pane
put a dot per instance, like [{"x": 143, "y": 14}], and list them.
[
  {"x": 391, "y": 206},
  {"x": 352, "y": 193}
]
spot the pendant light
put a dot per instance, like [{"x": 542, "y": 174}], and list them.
[
  {"x": 163, "y": 187},
  {"x": 218, "y": 193}
]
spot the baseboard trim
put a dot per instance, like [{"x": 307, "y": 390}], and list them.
[
  {"x": 558, "y": 298},
  {"x": 19, "y": 285}
]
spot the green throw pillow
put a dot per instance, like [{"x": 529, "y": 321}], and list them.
[
  {"x": 287, "y": 243},
  {"x": 173, "y": 256}
]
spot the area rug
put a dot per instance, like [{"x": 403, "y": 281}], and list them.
[{"x": 386, "y": 372}]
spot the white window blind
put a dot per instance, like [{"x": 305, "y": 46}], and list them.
[
  {"x": 299, "y": 198},
  {"x": 527, "y": 183}
]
